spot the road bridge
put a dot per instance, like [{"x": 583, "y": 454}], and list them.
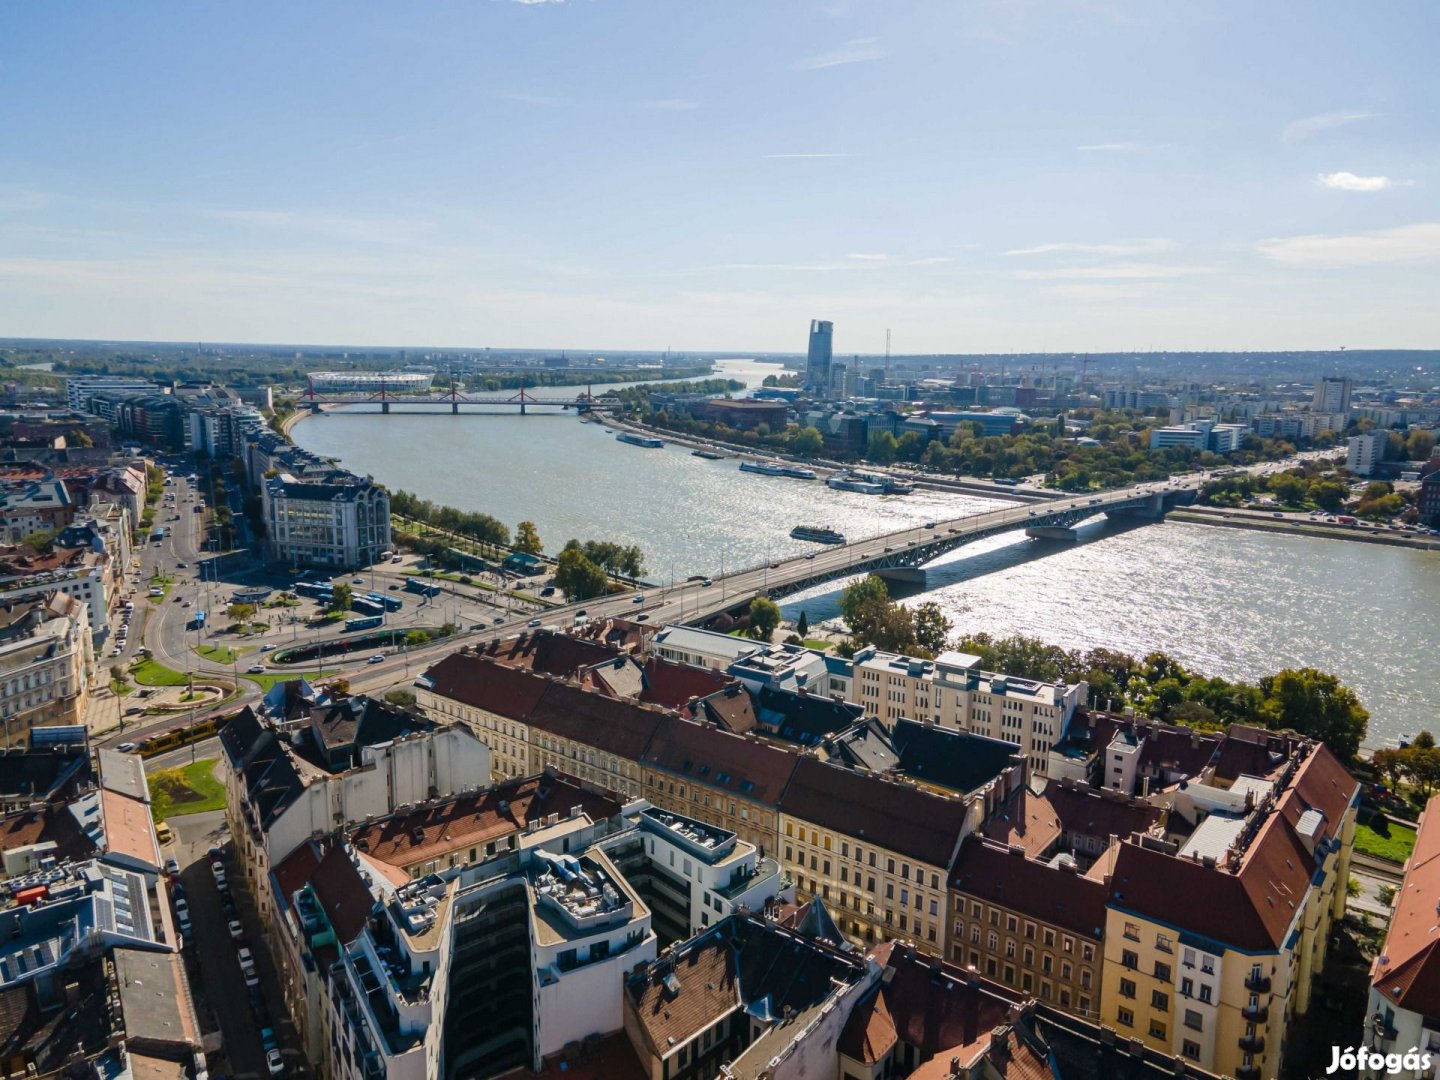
[{"x": 453, "y": 398}]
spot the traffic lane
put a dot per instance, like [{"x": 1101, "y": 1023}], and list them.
[{"x": 215, "y": 971}]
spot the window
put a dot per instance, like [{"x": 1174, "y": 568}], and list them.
[
  {"x": 1162, "y": 971},
  {"x": 1194, "y": 1020},
  {"x": 1188, "y": 958},
  {"x": 1048, "y": 938},
  {"x": 1132, "y": 931},
  {"x": 1159, "y": 999},
  {"x": 1087, "y": 951},
  {"x": 1125, "y": 1016},
  {"x": 1164, "y": 943},
  {"x": 1204, "y": 994},
  {"x": 1157, "y": 1029},
  {"x": 1129, "y": 959},
  {"x": 1190, "y": 1049},
  {"x": 1010, "y": 948},
  {"x": 1187, "y": 987},
  {"x": 1207, "y": 965},
  {"x": 1127, "y": 988},
  {"x": 1011, "y": 923}
]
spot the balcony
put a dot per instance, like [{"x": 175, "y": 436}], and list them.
[
  {"x": 1252, "y": 1044},
  {"x": 1248, "y": 1072},
  {"x": 1257, "y": 983},
  {"x": 1256, "y": 1014}
]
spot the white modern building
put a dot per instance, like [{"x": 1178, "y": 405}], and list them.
[
  {"x": 1332, "y": 394},
  {"x": 368, "y": 382},
  {"x": 1364, "y": 452},
  {"x": 339, "y": 521},
  {"x": 81, "y": 389}
]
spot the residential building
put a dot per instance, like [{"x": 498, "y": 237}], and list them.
[
  {"x": 955, "y": 693},
  {"x": 82, "y": 573},
  {"x": 778, "y": 666},
  {"x": 1364, "y": 452},
  {"x": 703, "y": 648},
  {"x": 1428, "y": 501},
  {"x": 876, "y": 851},
  {"x": 493, "y": 700},
  {"x": 46, "y": 662},
  {"x": 818, "y": 357},
  {"x": 744, "y": 1000},
  {"x": 1216, "y": 932},
  {"x": 1200, "y": 435},
  {"x": 81, "y": 390},
  {"x": 596, "y": 737},
  {"x": 1403, "y": 1011},
  {"x": 1332, "y": 395},
  {"x": 731, "y": 781},
  {"x": 221, "y": 430},
  {"x": 35, "y": 506},
  {"x": 303, "y": 773},
  {"x": 339, "y": 520},
  {"x": 933, "y": 1020},
  {"x": 1133, "y": 756}
]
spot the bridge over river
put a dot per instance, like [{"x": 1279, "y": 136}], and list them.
[
  {"x": 900, "y": 556},
  {"x": 522, "y": 399}
]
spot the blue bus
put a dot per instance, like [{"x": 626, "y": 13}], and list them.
[
  {"x": 391, "y": 603},
  {"x": 365, "y": 606},
  {"x": 313, "y": 590},
  {"x": 158, "y": 533},
  {"x": 421, "y": 586},
  {"x": 367, "y": 622},
  {"x": 197, "y": 621}
]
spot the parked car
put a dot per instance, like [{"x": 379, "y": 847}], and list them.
[
  {"x": 237, "y": 929},
  {"x": 274, "y": 1062},
  {"x": 172, "y": 867},
  {"x": 218, "y": 869}
]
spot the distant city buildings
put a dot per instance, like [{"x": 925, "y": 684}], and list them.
[
  {"x": 1332, "y": 394},
  {"x": 1428, "y": 503},
  {"x": 817, "y": 359},
  {"x": 371, "y": 382},
  {"x": 1200, "y": 435}
]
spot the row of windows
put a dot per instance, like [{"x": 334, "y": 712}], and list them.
[
  {"x": 1047, "y": 935},
  {"x": 1026, "y": 981}
]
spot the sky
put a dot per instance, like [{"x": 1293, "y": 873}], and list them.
[{"x": 974, "y": 175}]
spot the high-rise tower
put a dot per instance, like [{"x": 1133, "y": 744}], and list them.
[{"x": 817, "y": 360}]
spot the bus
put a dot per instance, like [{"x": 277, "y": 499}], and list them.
[
  {"x": 314, "y": 590},
  {"x": 366, "y": 606},
  {"x": 392, "y": 603},
  {"x": 421, "y": 586},
  {"x": 158, "y": 533},
  {"x": 197, "y": 621},
  {"x": 367, "y": 622}
]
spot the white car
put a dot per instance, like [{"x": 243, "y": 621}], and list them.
[
  {"x": 237, "y": 929},
  {"x": 274, "y": 1062},
  {"x": 255, "y": 669},
  {"x": 376, "y": 659}
]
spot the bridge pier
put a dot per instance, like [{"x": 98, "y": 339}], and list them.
[
  {"x": 1051, "y": 532},
  {"x": 455, "y": 407},
  {"x": 385, "y": 407},
  {"x": 905, "y": 575},
  {"x": 1152, "y": 509}
]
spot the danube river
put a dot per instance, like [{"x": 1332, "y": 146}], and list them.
[{"x": 1225, "y": 601}]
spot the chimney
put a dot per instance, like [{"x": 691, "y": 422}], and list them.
[{"x": 1000, "y": 1044}]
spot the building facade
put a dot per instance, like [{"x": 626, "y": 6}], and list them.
[{"x": 339, "y": 521}]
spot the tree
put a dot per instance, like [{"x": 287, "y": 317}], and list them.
[
  {"x": 883, "y": 448},
  {"x": 931, "y": 626},
  {"x": 806, "y": 442},
  {"x": 1424, "y": 740},
  {"x": 1328, "y": 494},
  {"x": 416, "y": 638},
  {"x": 1315, "y": 703},
  {"x": 802, "y": 625},
  {"x": 402, "y": 698},
  {"x": 340, "y": 597},
  {"x": 1388, "y": 764},
  {"x": 42, "y": 541},
  {"x": 527, "y": 538},
  {"x": 78, "y": 437},
  {"x": 577, "y": 577},
  {"x": 856, "y": 596},
  {"x": 1419, "y": 444},
  {"x": 1422, "y": 766},
  {"x": 764, "y": 617},
  {"x": 241, "y": 613},
  {"x": 1288, "y": 488}
]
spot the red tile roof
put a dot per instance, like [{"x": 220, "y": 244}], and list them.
[
  {"x": 1407, "y": 972},
  {"x": 549, "y": 653},
  {"x": 721, "y": 760},
  {"x": 341, "y": 892},
  {"x": 673, "y": 684},
  {"x": 1091, "y": 812},
  {"x": 483, "y": 683},
  {"x": 902, "y": 818},
  {"x": 709, "y": 988},
  {"x": 1323, "y": 784},
  {"x": 1026, "y": 819},
  {"x": 459, "y": 824},
  {"x": 996, "y": 875},
  {"x": 596, "y": 719}
]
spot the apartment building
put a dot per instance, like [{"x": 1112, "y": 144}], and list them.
[
  {"x": 81, "y": 390},
  {"x": 1216, "y": 932},
  {"x": 338, "y": 520},
  {"x": 1364, "y": 452},
  {"x": 1037, "y": 928},
  {"x": 34, "y": 506},
  {"x": 876, "y": 851},
  {"x": 596, "y": 737},
  {"x": 493, "y": 700},
  {"x": 728, "y": 780},
  {"x": 82, "y": 573},
  {"x": 1403, "y": 1010},
  {"x": 46, "y": 663},
  {"x": 954, "y": 693},
  {"x": 703, "y": 648}
]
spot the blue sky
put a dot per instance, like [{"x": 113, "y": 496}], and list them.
[{"x": 979, "y": 176}]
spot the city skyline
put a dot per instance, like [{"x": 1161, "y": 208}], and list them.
[{"x": 979, "y": 180}]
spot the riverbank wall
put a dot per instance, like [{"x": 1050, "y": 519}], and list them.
[{"x": 1202, "y": 515}]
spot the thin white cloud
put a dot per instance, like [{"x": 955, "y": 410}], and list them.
[
  {"x": 1123, "y": 147},
  {"x": 1143, "y": 246},
  {"x": 383, "y": 230},
  {"x": 936, "y": 260},
  {"x": 1348, "y": 181},
  {"x": 868, "y": 256},
  {"x": 1418, "y": 243},
  {"x": 529, "y": 99},
  {"x": 791, "y": 157},
  {"x": 855, "y": 51},
  {"x": 671, "y": 105},
  {"x": 1300, "y": 130},
  {"x": 1118, "y": 271}
]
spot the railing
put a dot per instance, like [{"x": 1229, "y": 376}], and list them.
[
  {"x": 1252, "y": 1044},
  {"x": 1248, "y": 1072},
  {"x": 1260, "y": 984},
  {"x": 1256, "y": 1013}
]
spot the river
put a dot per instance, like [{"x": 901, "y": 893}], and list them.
[{"x": 1226, "y": 602}]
